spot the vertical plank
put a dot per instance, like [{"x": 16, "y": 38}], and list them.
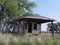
[
  {"x": 39, "y": 28},
  {"x": 18, "y": 27},
  {"x": 23, "y": 27}
]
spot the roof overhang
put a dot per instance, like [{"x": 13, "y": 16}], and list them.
[{"x": 34, "y": 18}]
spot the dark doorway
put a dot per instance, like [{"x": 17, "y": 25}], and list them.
[{"x": 29, "y": 28}]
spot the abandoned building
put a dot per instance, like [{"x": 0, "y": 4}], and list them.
[{"x": 26, "y": 24}]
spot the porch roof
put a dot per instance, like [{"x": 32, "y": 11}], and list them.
[{"x": 35, "y": 18}]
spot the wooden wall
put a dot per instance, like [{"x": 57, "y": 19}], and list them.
[
  {"x": 38, "y": 31},
  {"x": 21, "y": 27},
  {"x": 39, "y": 28}
]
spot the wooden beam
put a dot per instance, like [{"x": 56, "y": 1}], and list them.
[{"x": 52, "y": 29}]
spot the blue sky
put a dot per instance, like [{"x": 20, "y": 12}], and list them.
[{"x": 48, "y": 8}]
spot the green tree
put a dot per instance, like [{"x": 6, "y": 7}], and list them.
[
  {"x": 55, "y": 26},
  {"x": 16, "y": 8}
]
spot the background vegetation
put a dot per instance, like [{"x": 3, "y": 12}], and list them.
[
  {"x": 16, "y": 8},
  {"x": 56, "y": 27}
]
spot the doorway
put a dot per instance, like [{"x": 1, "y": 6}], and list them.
[{"x": 29, "y": 27}]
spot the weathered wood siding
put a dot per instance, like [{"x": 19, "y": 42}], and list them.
[
  {"x": 21, "y": 27},
  {"x": 39, "y": 28},
  {"x": 16, "y": 28},
  {"x": 26, "y": 26},
  {"x": 0, "y": 25}
]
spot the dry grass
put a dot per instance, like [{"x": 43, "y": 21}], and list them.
[{"x": 42, "y": 39}]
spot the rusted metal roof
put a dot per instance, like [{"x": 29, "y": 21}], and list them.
[
  {"x": 37, "y": 16},
  {"x": 34, "y": 18}
]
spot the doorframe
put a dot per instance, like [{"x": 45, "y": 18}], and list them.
[{"x": 28, "y": 27}]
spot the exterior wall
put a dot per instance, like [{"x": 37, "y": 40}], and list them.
[
  {"x": 21, "y": 27},
  {"x": 16, "y": 29},
  {"x": 12, "y": 27},
  {"x": 38, "y": 29},
  {"x": 0, "y": 25},
  {"x": 26, "y": 30},
  {"x": 34, "y": 31}
]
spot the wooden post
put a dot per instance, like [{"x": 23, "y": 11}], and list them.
[
  {"x": 18, "y": 27},
  {"x": 40, "y": 28},
  {"x": 52, "y": 29},
  {"x": 23, "y": 27}
]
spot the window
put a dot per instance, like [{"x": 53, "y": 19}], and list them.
[{"x": 35, "y": 26}]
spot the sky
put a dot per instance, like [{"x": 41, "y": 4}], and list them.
[{"x": 48, "y": 8}]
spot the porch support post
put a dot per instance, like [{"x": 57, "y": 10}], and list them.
[
  {"x": 52, "y": 29},
  {"x": 18, "y": 27},
  {"x": 23, "y": 27},
  {"x": 40, "y": 28}
]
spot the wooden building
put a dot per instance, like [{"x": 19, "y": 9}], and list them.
[{"x": 30, "y": 24}]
